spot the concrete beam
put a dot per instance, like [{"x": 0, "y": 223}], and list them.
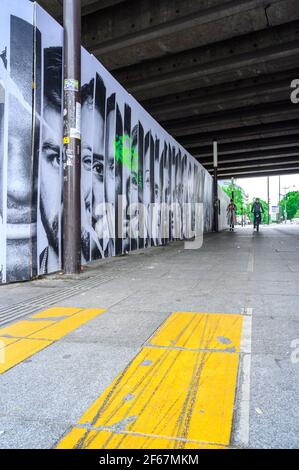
[
  {"x": 238, "y": 134},
  {"x": 252, "y": 156},
  {"x": 259, "y": 145},
  {"x": 54, "y": 7},
  {"x": 141, "y": 30},
  {"x": 259, "y": 163},
  {"x": 156, "y": 103},
  {"x": 228, "y": 96},
  {"x": 261, "y": 174},
  {"x": 93, "y": 6},
  {"x": 255, "y": 115},
  {"x": 255, "y": 170}
]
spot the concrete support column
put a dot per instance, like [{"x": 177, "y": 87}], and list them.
[{"x": 72, "y": 137}]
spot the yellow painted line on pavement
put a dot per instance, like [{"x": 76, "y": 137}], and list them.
[
  {"x": 20, "y": 350},
  {"x": 179, "y": 394},
  {"x": 6, "y": 341},
  {"x": 57, "y": 312},
  {"x": 180, "y": 389},
  {"x": 110, "y": 440},
  {"x": 25, "y": 338},
  {"x": 65, "y": 326},
  {"x": 200, "y": 331},
  {"x": 24, "y": 328}
]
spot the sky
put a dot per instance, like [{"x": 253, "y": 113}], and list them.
[{"x": 257, "y": 187}]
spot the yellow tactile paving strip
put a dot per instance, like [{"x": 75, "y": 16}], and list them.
[
  {"x": 57, "y": 312},
  {"x": 20, "y": 350},
  {"x": 200, "y": 331},
  {"x": 110, "y": 440},
  {"x": 178, "y": 392},
  {"x": 25, "y": 328},
  {"x": 21, "y": 340},
  {"x": 63, "y": 327}
]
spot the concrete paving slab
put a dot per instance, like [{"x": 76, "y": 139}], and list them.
[
  {"x": 20, "y": 433},
  {"x": 61, "y": 381},
  {"x": 274, "y": 413},
  {"x": 122, "y": 328},
  {"x": 272, "y": 342}
]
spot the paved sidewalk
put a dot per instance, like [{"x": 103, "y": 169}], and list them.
[{"x": 256, "y": 275}]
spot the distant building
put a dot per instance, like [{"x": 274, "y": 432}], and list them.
[{"x": 274, "y": 213}]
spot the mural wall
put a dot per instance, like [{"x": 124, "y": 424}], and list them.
[{"x": 136, "y": 179}]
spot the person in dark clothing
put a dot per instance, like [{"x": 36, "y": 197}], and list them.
[{"x": 257, "y": 211}]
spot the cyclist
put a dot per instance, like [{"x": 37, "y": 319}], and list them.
[
  {"x": 257, "y": 210},
  {"x": 231, "y": 215}
]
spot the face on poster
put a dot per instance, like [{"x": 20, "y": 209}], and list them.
[
  {"x": 87, "y": 137},
  {"x": 140, "y": 184},
  {"x": 148, "y": 192},
  {"x": 156, "y": 211},
  {"x": 126, "y": 176},
  {"x": 50, "y": 152},
  {"x": 99, "y": 220},
  {"x": 18, "y": 188},
  {"x": 133, "y": 212},
  {"x": 173, "y": 195},
  {"x": 109, "y": 181},
  {"x": 166, "y": 192},
  {"x": 118, "y": 172}
]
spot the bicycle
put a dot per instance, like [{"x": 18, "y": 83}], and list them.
[{"x": 257, "y": 221}]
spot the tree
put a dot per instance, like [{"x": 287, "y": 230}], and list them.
[
  {"x": 292, "y": 204},
  {"x": 238, "y": 196}
]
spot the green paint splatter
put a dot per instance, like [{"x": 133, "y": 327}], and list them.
[
  {"x": 127, "y": 154},
  {"x": 140, "y": 180}
]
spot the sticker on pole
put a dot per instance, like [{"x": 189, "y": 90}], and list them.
[
  {"x": 78, "y": 117},
  {"x": 70, "y": 158},
  {"x": 70, "y": 84},
  {"x": 75, "y": 132}
]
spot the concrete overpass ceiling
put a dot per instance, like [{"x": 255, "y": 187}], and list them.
[
  {"x": 207, "y": 69},
  {"x": 54, "y": 7}
]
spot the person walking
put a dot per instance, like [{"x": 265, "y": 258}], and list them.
[{"x": 231, "y": 215}]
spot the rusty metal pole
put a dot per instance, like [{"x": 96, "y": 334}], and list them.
[
  {"x": 72, "y": 137},
  {"x": 216, "y": 202}
]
